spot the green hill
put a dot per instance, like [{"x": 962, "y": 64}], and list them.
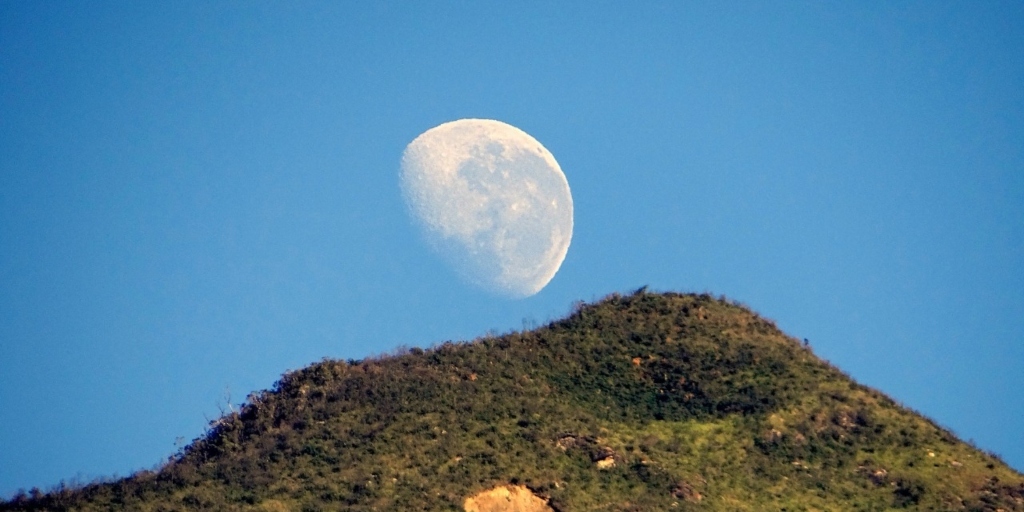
[{"x": 639, "y": 402}]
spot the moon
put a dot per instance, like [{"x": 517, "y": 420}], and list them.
[{"x": 491, "y": 201}]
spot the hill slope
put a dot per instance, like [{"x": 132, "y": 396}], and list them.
[{"x": 642, "y": 402}]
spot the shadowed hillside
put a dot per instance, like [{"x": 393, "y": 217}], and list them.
[{"x": 640, "y": 402}]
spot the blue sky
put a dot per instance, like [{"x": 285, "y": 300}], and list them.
[{"x": 196, "y": 197}]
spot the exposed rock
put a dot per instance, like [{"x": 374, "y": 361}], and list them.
[
  {"x": 507, "y": 498},
  {"x": 569, "y": 440},
  {"x": 686, "y": 492},
  {"x": 273, "y": 506},
  {"x": 604, "y": 457}
]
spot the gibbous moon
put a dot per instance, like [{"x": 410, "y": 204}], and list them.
[{"x": 492, "y": 201}]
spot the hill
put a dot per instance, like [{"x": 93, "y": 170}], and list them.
[{"x": 639, "y": 402}]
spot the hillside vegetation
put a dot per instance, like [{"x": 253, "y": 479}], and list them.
[{"x": 639, "y": 402}]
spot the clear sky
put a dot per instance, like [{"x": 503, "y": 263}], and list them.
[{"x": 198, "y": 196}]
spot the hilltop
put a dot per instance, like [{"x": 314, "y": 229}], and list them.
[{"x": 639, "y": 402}]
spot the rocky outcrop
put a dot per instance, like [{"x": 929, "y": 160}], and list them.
[{"x": 507, "y": 498}]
